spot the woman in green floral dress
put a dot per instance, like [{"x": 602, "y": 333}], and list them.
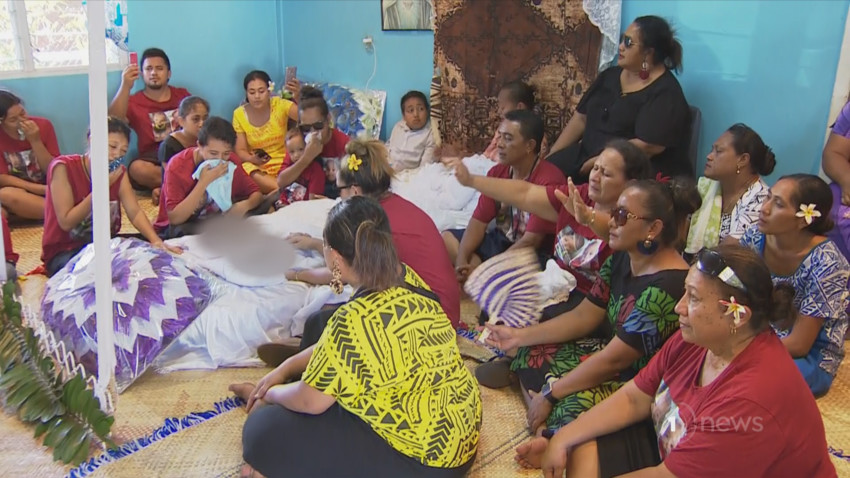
[{"x": 575, "y": 360}]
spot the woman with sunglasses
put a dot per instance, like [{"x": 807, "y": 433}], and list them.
[
  {"x": 638, "y": 100},
  {"x": 791, "y": 237},
  {"x": 581, "y": 216},
  {"x": 622, "y": 322},
  {"x": 732, "y": 188},
  {"x": 261, "y": 125},
  {"x": 721, "y": 398},
  {"x": 325, "y": 146}
]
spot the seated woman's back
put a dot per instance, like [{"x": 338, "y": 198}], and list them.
[{"x": 391, "y": 358}]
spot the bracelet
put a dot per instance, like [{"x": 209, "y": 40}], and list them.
[
  {"x": 592, "y": 217},
  {"x": 296, "y": 276}
]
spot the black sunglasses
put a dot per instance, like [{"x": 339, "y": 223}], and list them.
[
  {"x": 317, "y": 126},
  {"x": 711, "y": 262},
  {"x": 622, "y": 215},
  {"x": 627, "y": 41}
]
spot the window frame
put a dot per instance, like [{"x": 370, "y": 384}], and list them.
[{"x": 23, "y": 48}]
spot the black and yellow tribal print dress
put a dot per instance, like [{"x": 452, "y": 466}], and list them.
[{"x": 391, "y": 358}]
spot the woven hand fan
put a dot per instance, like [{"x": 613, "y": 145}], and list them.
[{"x": 506, "y": 288}]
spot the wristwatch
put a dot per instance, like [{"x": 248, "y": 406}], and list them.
[{"x": 546, "y": 391}]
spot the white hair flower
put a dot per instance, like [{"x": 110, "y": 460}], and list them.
[{"x": 807, "y": 212}]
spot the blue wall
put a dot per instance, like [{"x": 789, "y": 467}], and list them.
[
  {"x": 324, "y": 40},
  {"x": 211, "y": 45},
  {"x": 768, "y": 64}
]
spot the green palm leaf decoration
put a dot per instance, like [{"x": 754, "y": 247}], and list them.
[{"x": 64, "y": 411}]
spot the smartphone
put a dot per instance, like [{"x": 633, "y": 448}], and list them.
[
  {"x": 134, "y": 58},
  {"x": 262, "y": 154},
  {"x": 291, "y": 74}
]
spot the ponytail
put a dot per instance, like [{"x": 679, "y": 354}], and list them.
[
  {"x": 359, "y": 230},
  {"x": 671, "y": 202},
  {"x": 375, "y": 259}
]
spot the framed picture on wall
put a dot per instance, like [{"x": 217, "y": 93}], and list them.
[{"x": 407, "y": 14}]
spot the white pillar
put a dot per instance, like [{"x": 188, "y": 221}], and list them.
[{"x": 96, "y": 14}]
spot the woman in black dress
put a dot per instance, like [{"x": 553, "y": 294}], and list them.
[{"x": 639, "y": 100}]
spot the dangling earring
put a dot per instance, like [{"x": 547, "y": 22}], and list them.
[
  {"x": 648, "y": 246},
  {"x": 733, "y": 330},
  {"x": 336, "y": 282},
  {"x": 644, "y": 71},
  {"x": 738, "y": 171}
]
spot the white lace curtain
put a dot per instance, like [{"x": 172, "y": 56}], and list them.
[{"x": 605, "y": 15}]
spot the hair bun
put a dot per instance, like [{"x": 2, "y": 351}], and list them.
[
  {"x": 310, "y": 92},
  {"x": 769, "y": 162}
]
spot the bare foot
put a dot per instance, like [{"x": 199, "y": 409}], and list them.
[
  {"x": 155, "y": 196},
  {"x": 242, "y": 390},
  {"x": 530, "y": 453}
]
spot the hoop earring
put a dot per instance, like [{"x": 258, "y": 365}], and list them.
[
  {"x": 336, "y": 282},
  {"x": 647, "y": 247},
  {"x": 644, "y": 70}
]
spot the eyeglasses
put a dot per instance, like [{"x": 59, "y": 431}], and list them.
[
  {"x": 627, "y": 41},
  {"x": 622, "y": 215},
  {"x": 317, "y": 126},
  {"x": 343, "y": 188},
  {"x": 712, "y": 263}
]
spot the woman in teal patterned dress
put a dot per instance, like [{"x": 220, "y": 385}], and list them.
[{"x": 575, "y": 360}]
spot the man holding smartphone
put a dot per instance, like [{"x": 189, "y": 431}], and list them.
[{"x": 149, "y": 112}]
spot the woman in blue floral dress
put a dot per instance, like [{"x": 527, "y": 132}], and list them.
[
  {"x": 571, "y": 362},
  {"x": 791, "y": 237}
]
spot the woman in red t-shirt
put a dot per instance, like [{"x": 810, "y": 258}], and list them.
[
  {"x": 68, "y": 209},
  {"x": 27, "y": 146},
  {"x": 316, "y": 168},
  {"x": 721, "y": 398}
]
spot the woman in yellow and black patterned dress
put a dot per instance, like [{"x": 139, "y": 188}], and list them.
[{"x": 384, "y": 392}]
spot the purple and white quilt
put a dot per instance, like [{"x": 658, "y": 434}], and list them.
[{"x": 156, "y": 295}]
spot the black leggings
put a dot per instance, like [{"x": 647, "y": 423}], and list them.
[{"x": 281, "y": 443}]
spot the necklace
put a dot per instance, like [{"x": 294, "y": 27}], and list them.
[{"x": 729, "y": 206}]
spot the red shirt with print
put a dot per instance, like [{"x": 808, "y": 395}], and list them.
[
  {"x": 415, "y": 236},
  {"x": 55, "y": 240},
  {"x": 314, "y": 177},
  {"x": 578, "y": 250},
  {"x": 757, "y": 418},
  {"x": 18, "y": 159},
  {"x": 512, "y": 221},
  {"x": 179, "y": 183},
  {"x": 11, "y": 257},
  {"x": 151, "y": 120}
]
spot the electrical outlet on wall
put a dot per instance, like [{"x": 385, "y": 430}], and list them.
[{"x": 367, "y": 43}]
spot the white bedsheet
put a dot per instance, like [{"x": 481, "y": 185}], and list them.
[
  {"x": 229, "y": 330},
  {"x": 435, "y": 190}
]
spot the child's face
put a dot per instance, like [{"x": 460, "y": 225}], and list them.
[
  {"x": 330, "y": 171},
  {"x": 192, "y": 123},
  {"x": 415, "y": 113},
  {"x": 295, "y": 146},
  {"x": 118, "y": 144}
]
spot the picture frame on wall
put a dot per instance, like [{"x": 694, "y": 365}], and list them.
[{"x": 407, "y": 15}]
